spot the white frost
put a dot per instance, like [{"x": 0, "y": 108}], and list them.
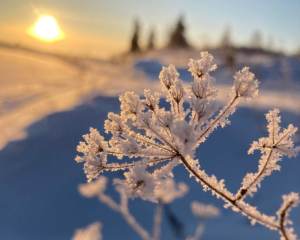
[
  {"x": 167, "y": 138},
  {"x": 91, "y": 232}
]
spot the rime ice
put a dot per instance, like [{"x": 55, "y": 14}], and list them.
[
  {"x": 145, "y": 131},
  {"x": 138, "y": 182},
  {"x": 204, "y": 211},
  {"x": 91, "y": 232},
  {"x": 167, "y": 190}
]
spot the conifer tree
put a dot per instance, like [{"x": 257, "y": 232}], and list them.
[
  {"x": 151, "y": 40},
  {"x": 256, "y": 40},
  {"x": 227, "y": 48},
  {"x": 226, "y": 41},
  {"x": 177, "y": 38},
  {"x": 135, "y": 47}
]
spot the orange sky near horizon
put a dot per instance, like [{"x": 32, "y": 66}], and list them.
[
  {"x": 78, "y": 40},
  {"x": 72, "y": 44},
  {"x": 103, "y": 28}
]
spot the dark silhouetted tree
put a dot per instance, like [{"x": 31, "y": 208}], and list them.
[
  {"x": 226, "y": 41},
  {"x": 178, "y": 39},
  {"x": 151, "y": 40},
  {"x": 256, "y": 40},
  {"x": 270, "y": 44},
  {"x": 227, "y": 48},
  {"x": 135, "y": 47}
]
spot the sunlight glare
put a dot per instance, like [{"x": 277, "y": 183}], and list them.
[{"x": 46, "y": 28}]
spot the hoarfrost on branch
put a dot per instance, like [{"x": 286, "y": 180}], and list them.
[{"x": 145, "y": 131}]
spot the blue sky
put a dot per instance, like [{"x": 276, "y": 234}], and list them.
[{"x": 103, "y": 27}]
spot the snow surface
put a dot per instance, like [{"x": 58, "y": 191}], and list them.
[
  {"x": 47, "y": 104},
  {"x": 33, "y": 85}
]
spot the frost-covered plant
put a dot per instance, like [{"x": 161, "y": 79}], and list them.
[
  {"x": 165, "y": 192},
  {"x": 202, "y": 212},
  {"x": 91, "y": 232},
  {"x": 144, "y": 130}
]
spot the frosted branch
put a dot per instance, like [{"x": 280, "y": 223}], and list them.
[
  {"x": 273, "y": 149},
  {"x": 130, "y": 219},
  {"x": 289, "y": 201},
  {"x": 199, "y": 232},
  {"x": 171, "y": 137},
  {"x": 91, "y": 232},
  {"x": 157, "y": 221}
]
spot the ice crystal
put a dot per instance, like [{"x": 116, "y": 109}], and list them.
[
  {"x": 94, "y": 151},
  {"x": 138, "y": 182},
  {"x": 167, "y": 191},
  {"x": 91, "y": 232},
  {"x": 168, "y": 76},
  {"x": 94, "y": 188},
  {"x": 203, "y": 66},
  {"x": 244, "y": 84},
  {"x": 289, "y": 201},
  {"x": 204, "y": 211},
  {"x": 168, "y": 138},
  {"x": 273, "y": 148}
]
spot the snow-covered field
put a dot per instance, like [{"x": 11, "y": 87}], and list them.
[
  {"x": 34, "y": 86},
  {"x": 47, "y": 103}
]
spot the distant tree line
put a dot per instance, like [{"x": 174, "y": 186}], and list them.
[{"x": 178, "y": 40}]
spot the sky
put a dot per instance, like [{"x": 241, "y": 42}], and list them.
[{"x": 103, "y": 28}]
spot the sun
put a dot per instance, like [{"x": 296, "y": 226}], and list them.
[{"x": 46, "y": 28}]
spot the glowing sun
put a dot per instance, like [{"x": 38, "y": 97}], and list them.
[{"x": 46, "y": 28}]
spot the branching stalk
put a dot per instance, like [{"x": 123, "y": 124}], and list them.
[
  {"x": 157, "y": 221},
  {"x": 225, "y": 197}
]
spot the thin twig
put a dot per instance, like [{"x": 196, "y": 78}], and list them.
[
  {"x": 157, "y": 221},
  {"x": 244, "y": 190},
  {"x": 218, "y": 117},
  {"x": 282, "y": 218},
  {"x": 222, "y": 195}
]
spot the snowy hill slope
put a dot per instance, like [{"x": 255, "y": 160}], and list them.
[
  {"x": 39, "y": 180},
  {"x": 47, "y": 104},
  {"x": 34, "y": 85}
]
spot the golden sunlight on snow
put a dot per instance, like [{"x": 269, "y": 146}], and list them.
[
  {"x": 46, "y": 28},
  {"x": 33, "y": 86}
]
